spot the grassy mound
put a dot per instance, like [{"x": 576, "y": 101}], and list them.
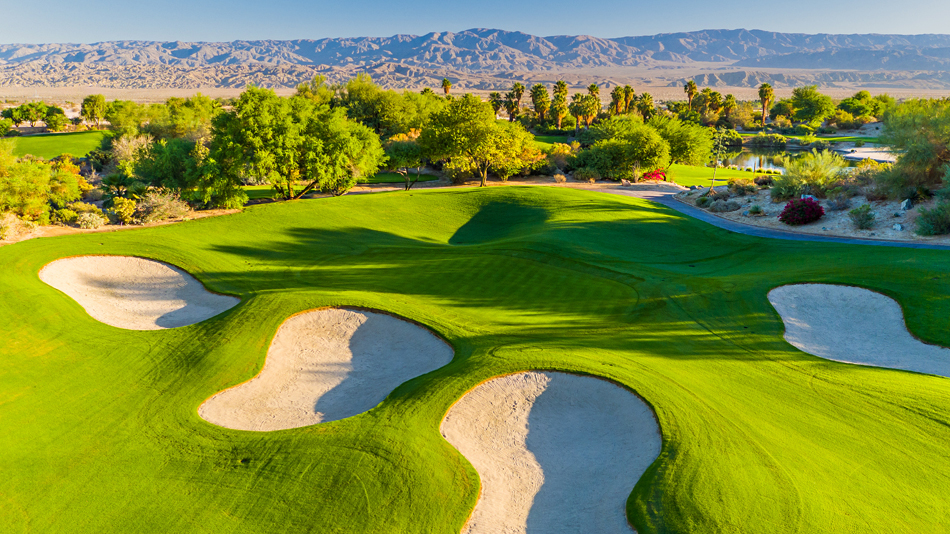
[{"x": 101, "y": 431}]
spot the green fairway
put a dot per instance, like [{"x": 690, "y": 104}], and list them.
[
  {"x": 688, "y": 175},
  {"x": 545, "y": 142},
  {"x": 49, "y": 146},
  {"x": 100, "y": 425}
]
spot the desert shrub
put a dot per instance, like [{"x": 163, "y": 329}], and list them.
[
  {"x": 122, "y": 211},
  {"x": 755, "y": 209},
  {"x": 763, "y": 181},
  {"x": 459, "y": 170},
  {"x": 12, "y": 226},
  {"x": 90, "y": 221},
  {"x": 159, "y": 205},
  {"x": 731, "y": 138},
  {"x": 94, "y": 195},
  {"x": 722, "y": 206},
  {"x": 769, "y": 140},
  {"x": 64, "y": 216},
  {"x": 84, "y": 207},
  {"x": 838, "y": 202},
  {"x": 703, "y": 201},
  {"x": 586, "y": 174},
  {"x": 809, "y": 174},
  {"x": 858, "y": 144},
  {"x": 741, "y": 187},
  {"x": 862, "y": 217},
  {"x": 560, "y": 178},
  {"x": 562, "y": 155},
  {"x": 875, "y": 193},
  {"x": 934, "y": 221},
  {"x": 801, "y": 211}
]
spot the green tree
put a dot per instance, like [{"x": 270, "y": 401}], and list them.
[
  {"x": 541, "y": 100},
  {"x": 94, "y": 109},
  {"x": 126, "y": 116},
  {"x": 55, "y": 119},
  {"x": 34, "y": 112},
  {"x": 766, "y": 96},
  {"x": 511, "y": 106},
  {"x": 319, "y": 91},
  {"x": 466, "y": 131},
  {"x": 810, "y": 105},
  {"x": 5, "y": 126},
  {"x": 403, "y": 153},
  {"x": 517, "y": 91},
  {"x": 446, "y": 86},
  {"x": 729, "y": 104},
  {"x": 690, "y": 144},
  {"x": 16, "y": 115},
  {"x": 690, "y": 89},
  {"x": 784, "y": 107},
  {"x": 635, "y": 149},
  {"x": 594, "y": 90}
]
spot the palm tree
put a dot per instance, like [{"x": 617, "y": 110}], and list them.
[
  {"x": 511, "y": 106},
  {"x": 560, "y": 88},
  {"x": 517, "y": 90},
  {"x": 628, "y": 97},
  {"x": 766, "y": 95},
  {"x": 594, "y": 90},
  {"x": 494, "y": 99},
  {"x": 690, "y": 89},
  {"x": 729, "y": 104},
  {"x": 617, "y": 97},
  {"x": 540, "y": 99},
  {"x": 446, "y": 85}
]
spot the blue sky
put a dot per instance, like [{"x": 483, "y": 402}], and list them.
[{"x": 44, "y": 21}]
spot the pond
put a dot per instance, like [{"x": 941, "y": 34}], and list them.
[{"x": 764, "y": 159}]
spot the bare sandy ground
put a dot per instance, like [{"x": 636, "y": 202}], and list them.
[
  {"x": 325, "y": 365},
  {"x": 134, "y": 293},
  {"x": 854, "y": 325},
  {"x": 556, "y": 453}
]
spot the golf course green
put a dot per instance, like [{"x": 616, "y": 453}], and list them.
[
  {"x": 101, "y": 431},
  {"x": 49, "y": 146}
]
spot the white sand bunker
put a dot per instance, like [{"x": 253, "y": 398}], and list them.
[
  {"x": 326, "y": 365},
  {"x": 135, "y": 293},
  {"x": 854, "y": 325},
  {"x": 556, "y": 453}
]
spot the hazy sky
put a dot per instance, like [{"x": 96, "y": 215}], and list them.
[{"x": 45, "y": 21}]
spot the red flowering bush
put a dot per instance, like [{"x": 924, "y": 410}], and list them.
[
  {"x": 801, "y": 211},
  {"x": 658, "y": 175}
]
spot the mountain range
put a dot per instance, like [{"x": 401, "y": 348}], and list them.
[{"x": 489, "y": 59}]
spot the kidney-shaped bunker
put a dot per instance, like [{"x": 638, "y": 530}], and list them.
[
  {"x": 556, "y": 452},
  {"x": 325, "y": 365},
  {"x": 134, "y": 293},
  {"x": 854, "y": 325}
]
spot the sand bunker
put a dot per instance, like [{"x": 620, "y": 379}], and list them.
[
  {"x": 556, "y": 453},
  {"x": 854, "y": 325},
  {"x": 326, "y": 365},
  {"x": 134, "y": 293}
]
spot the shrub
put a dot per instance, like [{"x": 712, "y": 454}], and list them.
[
  {"x": 12, "y": 226},
  {"x": 801, "y": 211},
  {"x": 858, "y": 144},
  {"x": 560, "y": 178},
  {"x": 84, "y": 207},
  {"x": 658, "y": 175},
  {"x": 703, "y": 201},
  {"x": 160, "y": 205},
  {"x": 875, "y": 193},
  {"x": 64, "y": 216},
  {"x": 839, "y": 202},
  {"x": 755, "y": 209},
  {"x": 764, "y": 181},
  {"x": 123, "y": 211},
  {"x": 722, "y": 206},
  {"x": 90, "y": 221},
  {"x": 741, "y": 187},
  {"x": 769, "y": 140},
  {"x": 934, "y": 221},
  {"x": 862, "y": 217},
  {"x": 586, "y": 174},
  {"x": 809, "y": 174}
]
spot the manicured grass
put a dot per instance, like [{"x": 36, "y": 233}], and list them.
[
  {"x": 545, "y": 142},
  {"x": 49, "y": 146},
  {"x": 688, "y": 175},
  {"x": 100, "y": 425}
]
